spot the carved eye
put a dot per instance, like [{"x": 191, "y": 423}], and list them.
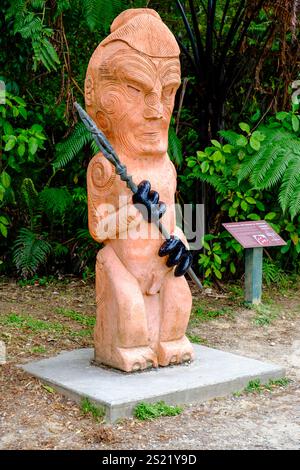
[
  {"x": 168, "y": 91},
  {"x": 133, "y": 90}
]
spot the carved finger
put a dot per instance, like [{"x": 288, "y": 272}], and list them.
[
  {"x": 143, "y": 189},
  {"x": 153, "y": 197},
  {"x": 184, "y": 264},
  {"x": 175, "y": 256},
  {"x": 168, "y": 246}
]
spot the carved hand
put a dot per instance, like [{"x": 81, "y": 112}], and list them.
[
  {"x": 154, "y": 208},
  {"x": 177, "y": 254}
]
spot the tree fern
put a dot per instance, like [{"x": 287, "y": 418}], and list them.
[
  {"x": 68, "y": 149},
  {"x": 276, "y": 163},
  {"x": 29, "y": 252}
]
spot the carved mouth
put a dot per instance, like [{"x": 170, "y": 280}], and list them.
[{"x": 151, "y": 135}]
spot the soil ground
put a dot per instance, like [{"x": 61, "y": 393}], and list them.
[{"x": 40, "y": 321}]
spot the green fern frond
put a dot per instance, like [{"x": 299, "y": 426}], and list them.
[
  {"x": 55, "y": 201},
  {"x": 175, "y": 148},
  {"x": 17, "y": 9},
  {"x": 44, "y": 52},
  {"x": 272, "y": 273},
  {"x": 68, "y": 149},
  {"x": 275, "y": 141},
  {"x": 32, "y": 25},
  {"x": 290, "y": 182},
  {"x": 84, "y": 234},
  {"x": 62, "y": 6},
  {"x": 219, "y": 183},
  {"x": 295, "y": 201},
  {"x": 30, "y": 251},
  {"x": 268, "y": 158},
  {"x": 29, "y": 24},
  {"x": 275, "y": 172},
  {"x": 60, "y": 250},
  {"x": 276, "y": 163},
  {"x": 230, "y": 136},
  {"x": 94, "y": 148},
  {"x": 38, "y": 4},
  {"x": 29, "y": 194},
  {"x": 100, "y": 13}
]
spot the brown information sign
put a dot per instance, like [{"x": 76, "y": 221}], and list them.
[{"x": 254, "y": 234}]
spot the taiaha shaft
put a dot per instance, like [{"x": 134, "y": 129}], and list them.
[{"x": 109, "y": 153}]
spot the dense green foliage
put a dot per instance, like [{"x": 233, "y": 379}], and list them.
[
  {"x": 234, "y": 138},
  {"x": 256, "y": 176}
]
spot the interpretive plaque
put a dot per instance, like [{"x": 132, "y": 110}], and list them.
[{"x": 254, "y": 234}]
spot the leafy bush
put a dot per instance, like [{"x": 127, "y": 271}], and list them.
[
  {"x": 42, "y": 220},
  {"x": 256, "y": 175}
]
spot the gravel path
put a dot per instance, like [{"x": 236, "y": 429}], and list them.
[{"x": 31, "y": 417}]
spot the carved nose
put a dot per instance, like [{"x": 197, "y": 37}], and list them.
[{"x": 153, "y": 107}]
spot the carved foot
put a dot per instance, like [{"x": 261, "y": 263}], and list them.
[
  {"x": 175, "y": 352},
  {"x": 133, "y": 359},
  {"x": 130, "y": 359}
]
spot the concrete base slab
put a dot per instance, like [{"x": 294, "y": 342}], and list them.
[{"x": 213, "y": 374}]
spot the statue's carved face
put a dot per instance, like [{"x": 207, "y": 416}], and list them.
[{"x": 135, "y": 99}]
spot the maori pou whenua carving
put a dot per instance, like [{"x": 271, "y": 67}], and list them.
[{"x": 143, "y": 299}]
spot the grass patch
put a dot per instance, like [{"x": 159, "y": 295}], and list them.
[
  {"x": 48, "y": 388},
  {"x": 76, "y": 316},
  {"x": 30, "y": 323},
  {"x": 88, "y": 408},
  {"x": 255, "y": 386},
  {"x": 38, "y": 349},
  {"x": 196, "y": 339},
  {"x": 199, "y": 314},
  {"x": 36, "y": 281},
  {"x": 82, "y": 333},
  {"x": 236, "y": 292},
  {"x": 265, "y": 315},
  {"x": 283, "y": 382},
  {"x": 147, "y": 411}
]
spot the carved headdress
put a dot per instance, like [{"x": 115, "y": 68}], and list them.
[
  {"x": 156, "y": 39},
  {"x": 142, "y": 30}
]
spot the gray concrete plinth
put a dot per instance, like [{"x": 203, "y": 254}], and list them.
[{"x": 213, "y": 374}]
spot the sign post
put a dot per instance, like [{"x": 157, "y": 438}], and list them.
[
  {"x": 253, "y": 275},
  {"x": 254, "y": 236}
]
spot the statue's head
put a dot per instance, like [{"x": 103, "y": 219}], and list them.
[{"x": 131, "y": 82}]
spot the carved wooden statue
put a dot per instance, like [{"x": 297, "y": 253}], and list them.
[{"x": 143, "y": 299}]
